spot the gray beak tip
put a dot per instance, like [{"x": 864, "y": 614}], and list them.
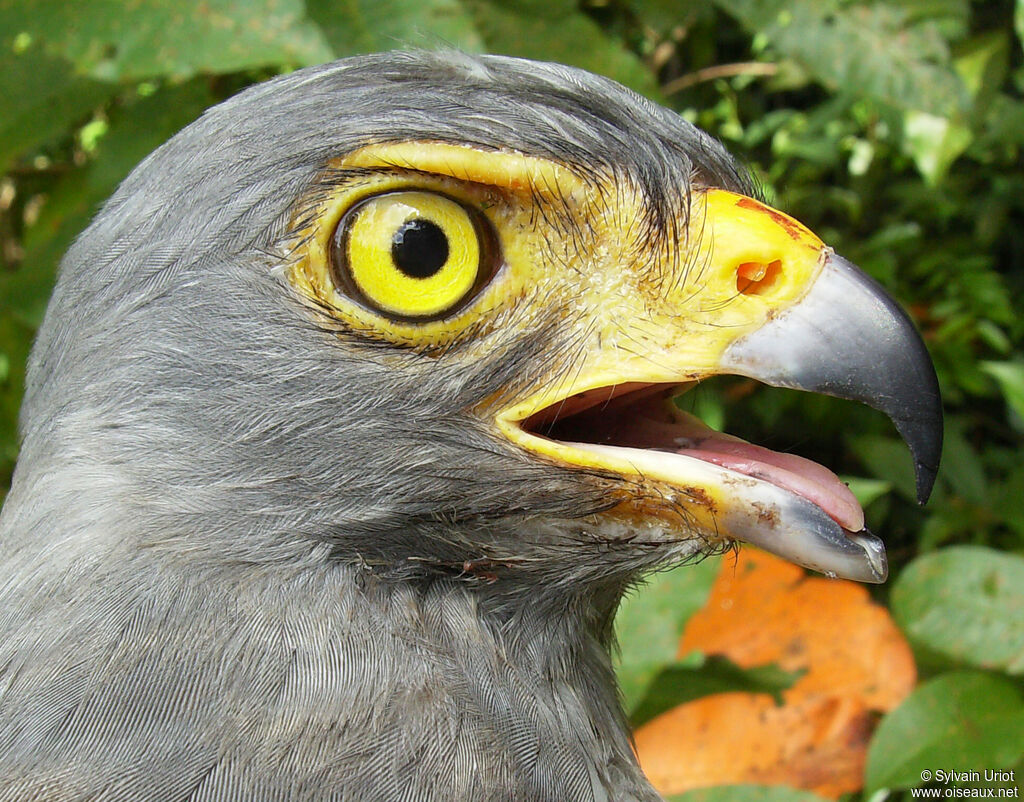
[
  {"x": 925, "y": 473},
  {"x": 921, "y": 426}
]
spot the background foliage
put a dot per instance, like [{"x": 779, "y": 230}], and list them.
[{"x": 893, "y": 129}]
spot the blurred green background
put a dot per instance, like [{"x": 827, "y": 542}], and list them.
[{"x": 892, "y": 129}]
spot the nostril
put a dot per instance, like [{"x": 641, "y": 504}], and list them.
[{"x": 754, "y": 278}]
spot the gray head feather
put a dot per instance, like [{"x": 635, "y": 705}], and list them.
[{"x": 231, "y": 555}]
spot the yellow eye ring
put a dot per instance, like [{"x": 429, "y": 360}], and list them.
[{"x": 412, "y": 255}]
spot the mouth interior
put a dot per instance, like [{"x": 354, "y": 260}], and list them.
[{"x": 643, "y": 416}]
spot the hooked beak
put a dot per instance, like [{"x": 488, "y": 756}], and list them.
[{"x": 847, "y": 338}]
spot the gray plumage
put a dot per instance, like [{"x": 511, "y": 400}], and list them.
[{"x": 233, "y": 556}]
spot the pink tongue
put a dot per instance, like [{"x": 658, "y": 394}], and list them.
[
  {"x": 803, "y": 477},
  {"x": 679, "y": 432}
]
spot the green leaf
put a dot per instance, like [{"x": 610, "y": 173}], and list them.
[
  {"x": 113, "y": 40},
  {"x": 952, "y": 15},
  {"x": 705, "y": 402},
  {"x": 966, "y": 720},
  {"x": 888, "y": 459},
  {"x": 42, "y": 100},
  {"x": 681, "y": 682},
  {"x": 1010, "y": 378},
  {"x": 1009, "y": 501},
  {"x": 363, "y": 26},
  {"x": 934, "y": 143},
  {"x": 981, "y": 62},
  {"x": 15, "y": 340},
  {"x": 993, "y": 335},
  {"x": 966, "y": 604},
  {"x": 664, "y": 15},
  {"x": 867, "y": 48},
  {"x": 1018, "y": 20},
  {"x": 556, "y": 31},
  {"x": 961, "y": 466},
  {"x": 867, "y": 491},
  {"x": 650, "y": 622},
  {"x": 746, "y": 793}
]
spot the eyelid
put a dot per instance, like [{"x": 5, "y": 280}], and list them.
[{"x": 505, "y": 170}]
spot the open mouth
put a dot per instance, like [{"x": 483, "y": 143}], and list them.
[
  {"x": 784, "y": 503},
  {"x": 843, "y": 338},
  {"x": 631, "y": 418}
]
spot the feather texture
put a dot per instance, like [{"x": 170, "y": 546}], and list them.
[{"x": 233, "y": 560}]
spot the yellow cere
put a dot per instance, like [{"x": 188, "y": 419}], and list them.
[
  {"x": 370, "y": 234},
  {"x": 739, "y": 264}
]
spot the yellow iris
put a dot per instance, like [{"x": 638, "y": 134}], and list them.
[{"x": 410, "y": 254}]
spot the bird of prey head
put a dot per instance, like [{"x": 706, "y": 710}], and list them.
[{"x": 351, "y": 420}]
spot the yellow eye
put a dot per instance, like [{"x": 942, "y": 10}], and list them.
[{"x": 412, "y": 254}]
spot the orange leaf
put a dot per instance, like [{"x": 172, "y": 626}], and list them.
[
  {"x": 764, "y": 610},
  {"x": 729, "y": 738}
]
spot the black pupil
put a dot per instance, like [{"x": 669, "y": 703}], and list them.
[{"x": 419, "y": 248}]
